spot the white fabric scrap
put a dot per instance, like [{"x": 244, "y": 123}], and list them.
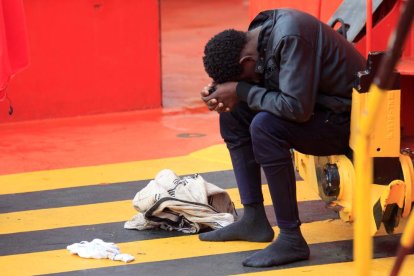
[{"x": 98, "y": 249}]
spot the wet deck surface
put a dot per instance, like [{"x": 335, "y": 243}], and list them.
[
  {"x": 68, "y": 180},
  {"x": 44, "y": 211}
]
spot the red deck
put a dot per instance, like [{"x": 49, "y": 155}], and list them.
[{"x": 137, "y": 135}]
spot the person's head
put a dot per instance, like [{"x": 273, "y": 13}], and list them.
[{"x": 231, "y": 55}]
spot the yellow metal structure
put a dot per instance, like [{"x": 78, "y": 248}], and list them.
[
  {"x": 374, "y": 134},
  {"x": 384, "y": 141},
  {"x": 384, "y": 135},
  {"x": 407, "y": 239}
]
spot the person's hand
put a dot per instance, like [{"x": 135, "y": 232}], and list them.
[
  {"x": 223, "y": 99},
  {"x": 212, "y": 104}
]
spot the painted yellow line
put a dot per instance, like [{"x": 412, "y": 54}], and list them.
[
  {"x": 214, "y": 158},
  {"x": 44, "y": 219},
  {"x": 97, "y": 213},
  {"x": 160, "y": 250},
  {"x": 381, "y": 266}
]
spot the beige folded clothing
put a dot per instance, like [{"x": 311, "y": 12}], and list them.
[{"x": 185, "y": 204}]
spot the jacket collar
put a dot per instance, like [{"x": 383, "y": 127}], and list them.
[{"x": 266, "y": 20}]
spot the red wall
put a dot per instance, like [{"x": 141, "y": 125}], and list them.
[
  {"x": 381, "y": 31},
  {"x": 88, "y": 57}
]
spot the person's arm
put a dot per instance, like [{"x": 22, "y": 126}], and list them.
[{"x": 299, "y": 74}]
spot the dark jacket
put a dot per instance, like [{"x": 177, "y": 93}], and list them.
[{"x": 305, "y": 65}]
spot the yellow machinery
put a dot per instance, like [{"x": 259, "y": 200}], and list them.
[{"x": 392, "y": 189}]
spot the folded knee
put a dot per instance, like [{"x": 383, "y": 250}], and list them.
[
  {"x": 267, "y": 132},
  {"x": 263, "y": 126}
]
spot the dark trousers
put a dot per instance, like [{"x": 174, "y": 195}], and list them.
[{"x": 261, "y": 139}]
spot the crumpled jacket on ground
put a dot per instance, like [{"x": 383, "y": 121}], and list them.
[{"x": 186, "y": 204}]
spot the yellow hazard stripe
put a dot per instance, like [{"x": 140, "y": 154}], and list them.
[
  {"x": 161, "y": 250},
  {"x": 214, "y": 158},
  {"x": 43, "y": 219},
  {"x": 158, "y": 250},
  {"x": 379, "y": 267}
]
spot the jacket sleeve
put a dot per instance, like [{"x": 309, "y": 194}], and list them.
[{"x": 298, "y": 79}]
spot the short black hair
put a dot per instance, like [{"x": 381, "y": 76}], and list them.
[{"x": 222, "y": 55}]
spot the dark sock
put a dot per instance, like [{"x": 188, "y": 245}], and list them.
[
  {"x": 253, "y": 226},
  {"x": 289, "y": 247}
]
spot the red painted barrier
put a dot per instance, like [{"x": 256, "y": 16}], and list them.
[
  {"x": 88, "y": 57},
  {"x": 13, "y": 41},
  {"x": 381, "y": 32}
]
